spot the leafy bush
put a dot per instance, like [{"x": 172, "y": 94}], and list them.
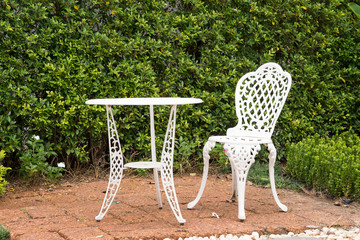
[
  {"x": 34, "y": 164},
  {"x": 4, "y": 233},
  {"x": 55, "y": 55},
  {"x": 3, "y": 170},
  {"x": 331, "y": 164}
]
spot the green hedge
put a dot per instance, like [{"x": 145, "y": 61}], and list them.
[
  {"x": 3, "y": 171},
  {"x": 54, "y": 55},
  {"x": 331, "y": 164}
]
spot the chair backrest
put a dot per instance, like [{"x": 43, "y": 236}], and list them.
[{"x": 259, "y": 99}]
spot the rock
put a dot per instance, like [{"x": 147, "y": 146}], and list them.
[{"x": 255, "y": 235}]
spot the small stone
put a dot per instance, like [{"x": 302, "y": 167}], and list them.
[
  {"x": 325, "y": 230},
  {"x": 249, "y": 183},
  {"x": 347, "y": 201},
  {"x": 337, "y": 203},
  {"x": 312, "y": 226},
  {"x": 247, "y": 237},
  {"x": 255, "y": 235},
  {"x": 229, "y": 237}
]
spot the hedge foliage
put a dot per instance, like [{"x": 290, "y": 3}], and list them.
[
  {"x": 331, "y": 164},
  {"x": 55, "y": 55},
  {"x": 3, "y": 171}
]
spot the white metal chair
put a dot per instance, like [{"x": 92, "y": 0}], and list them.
[{"x": 259, "y": 99}]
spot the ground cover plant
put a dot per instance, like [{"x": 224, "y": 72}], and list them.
[
  {"x": 55, "y": 55},
  {"x": 4, "y": 233},
  {"x": 327, "y": 164}
]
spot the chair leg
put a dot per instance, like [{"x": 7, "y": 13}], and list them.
[
  {"x": 234, "y": 183},
  {"x": 167, "y": 159},
  {"x": 116, "y": 165},
  {"x": 242, "y": 157},
  {"x": 241, "y": 184},
  {"x": 207, "y": 148},
  {"x": 272, "y": 159}
]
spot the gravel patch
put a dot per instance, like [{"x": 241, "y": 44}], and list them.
[{"x": 323, "y": 233}]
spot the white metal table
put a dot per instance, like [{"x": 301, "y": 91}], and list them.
[{"x": 165, "y": 166}]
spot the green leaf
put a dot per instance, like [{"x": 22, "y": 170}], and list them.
[{"x": 355, "y": 8}]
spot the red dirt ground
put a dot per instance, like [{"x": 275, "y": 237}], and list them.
[{"x": 67, "y": 211}]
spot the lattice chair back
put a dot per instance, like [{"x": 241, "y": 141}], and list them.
[{"x": 259, "y": 99}]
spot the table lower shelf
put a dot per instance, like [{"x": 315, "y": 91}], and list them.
[{"x": 143, "y": 165}]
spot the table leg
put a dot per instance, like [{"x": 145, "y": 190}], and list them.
[
  {"x": 207, "y": 148},
  {"x": 116, "y": 164},
  {"x": 153, "y": 156},
  {"x": 167, "y": 159}
]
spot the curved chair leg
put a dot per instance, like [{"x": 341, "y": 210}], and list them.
[
  {"x": 167, "y": 166},
  {"x": 272, "y": 158},
  {"x": 116, "y": 165},
  {"x": 242, "y": 157},
  {"x": 207, "y": 148}
]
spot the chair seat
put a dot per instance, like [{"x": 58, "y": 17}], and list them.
[
  {"x": 239, "y": 140},
  {"x": 143, "y": 165}
]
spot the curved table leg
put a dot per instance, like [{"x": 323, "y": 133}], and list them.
[
  {"x": 116, "y": 165},
  {"x": 272, "y": 158},
  {"x": 242, "y": 157},
  {"x": 207, "y": 148},
  {"x": 167, "y": 158}
]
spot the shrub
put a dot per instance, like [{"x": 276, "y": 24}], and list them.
[
  {"x": 55, "y": 55},
  {"x": 3, "y": 171},
  {"x": 4, "y": 233},
  {"x": 33, "y": 161},
  {"x": 331, "y": 164}
]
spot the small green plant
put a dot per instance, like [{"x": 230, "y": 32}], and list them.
[
  {"x": 218, "y": 155},
  {"x": 35, "y": 161},
  {"x": 327, "y": 164},
  {"x": 259, "y": 174},
  {"x": 4, "y": 233},
  {"x": 142, "y": 172},
  {"x": 3, "y": 170},
  {"x": 183, "y": 151}
]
